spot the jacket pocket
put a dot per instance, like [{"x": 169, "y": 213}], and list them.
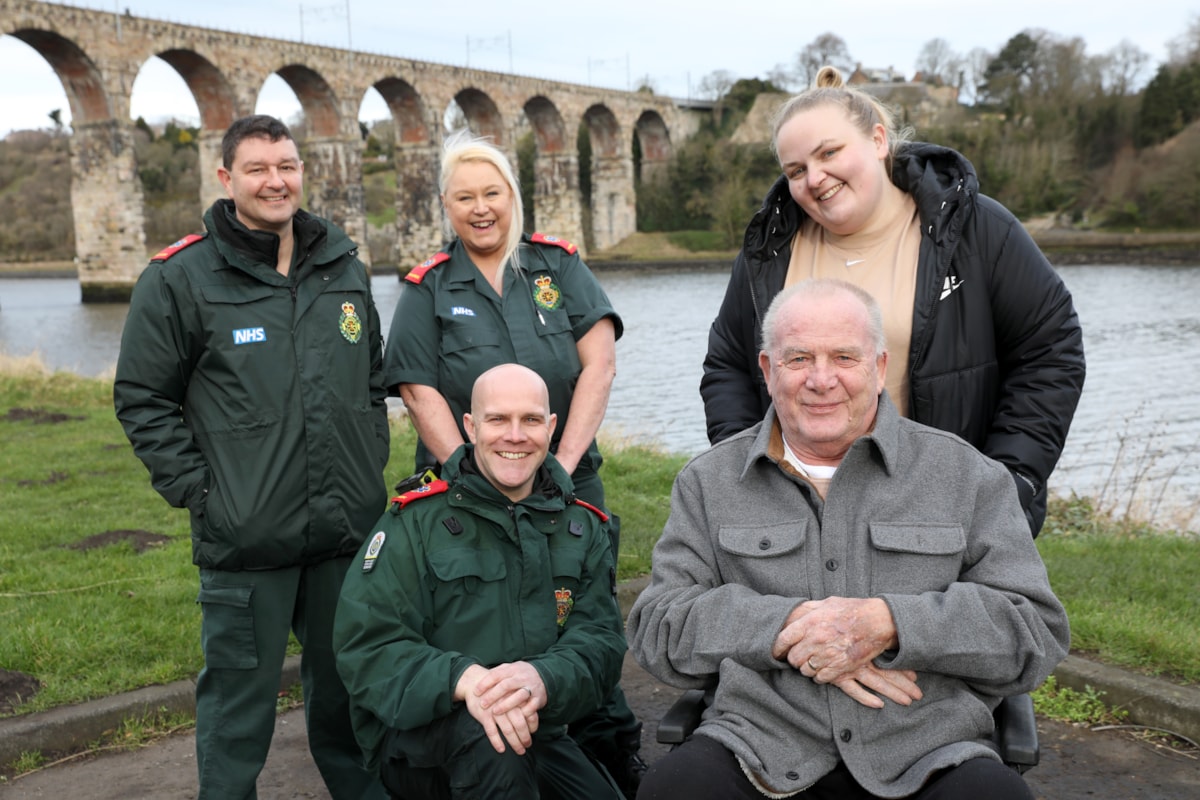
[
  {"x": 461, "y": 570},
  {"x": 753, "y": 555},
  {"x": 227, "y": 629},
  {"x": 762, "y": 541},
  {"x": 466, "y": 333},
  {"x": 910, "y": 558}
]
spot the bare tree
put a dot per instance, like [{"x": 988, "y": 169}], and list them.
[
  {"x": 783, "y": 76},
  {"x": 938, "y": 63},
  {"x": 827, "y": 49},
  {"x": 714, "y": 86},
  {"x": 1121, "y": 68},
  {"x": 1185, "y": 48},
  {"x": 972, "y": 74}
]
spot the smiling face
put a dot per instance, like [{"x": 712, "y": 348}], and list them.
[
  {"x": 265, "y": 183},
  {"x": 510, "y": 425},
  {"x": 824, "y": 374},
  {"x": 479, "y": 205},
  {"x": 835, "y": 172}
]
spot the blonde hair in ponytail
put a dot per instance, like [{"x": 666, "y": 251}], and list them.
[{"x": 865, "y": 111}]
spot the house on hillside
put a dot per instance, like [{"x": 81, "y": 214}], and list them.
[
  {"x": 863, "y": 75},
  {"x": 921, "y": 103}
]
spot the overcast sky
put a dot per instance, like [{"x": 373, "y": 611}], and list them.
[{"x": 612, "y": 43}]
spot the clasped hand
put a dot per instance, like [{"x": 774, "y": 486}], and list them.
[
  {"x": 505, "y": 701},
  {"x": 836, "y": 640}
]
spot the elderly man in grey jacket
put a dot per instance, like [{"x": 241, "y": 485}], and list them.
[{"x": 861, "y": 590}]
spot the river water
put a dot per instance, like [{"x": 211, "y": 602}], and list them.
[{"x": 1133, "y": 443}]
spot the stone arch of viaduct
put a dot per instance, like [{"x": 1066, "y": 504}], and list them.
[{"x": 97, "y": 56}]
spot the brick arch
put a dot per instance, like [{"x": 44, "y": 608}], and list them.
[
  {"x": 215, "y": 96},
  {"x": 483, "y": 115},
  {"x": 549, "y": 130},
  {"x": 408, "y": 111},
  {"x": 605, "y": 131},
  {"x": 654, "y": 137},
  {"x": 80, "y": 77},
  {"x": 614, "y": 208},
  {"x": 557, "y": 204},
  {"x": 655, "y": 142},
  {"x": 316, "y": 97}
]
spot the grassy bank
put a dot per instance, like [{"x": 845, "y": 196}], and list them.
[{"x": 97, "y": 589}]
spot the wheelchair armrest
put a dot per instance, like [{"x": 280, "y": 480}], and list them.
[
  {"x": 1016, "y": 732},
  {"x": 682, "y": 717}
]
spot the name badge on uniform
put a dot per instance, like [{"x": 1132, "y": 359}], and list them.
[{"x": 249, "y": 335}]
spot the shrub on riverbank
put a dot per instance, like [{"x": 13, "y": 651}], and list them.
[{"x": 97, "y": 589}]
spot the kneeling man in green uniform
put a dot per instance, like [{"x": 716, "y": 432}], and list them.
[{"x": 480, "y": 616}]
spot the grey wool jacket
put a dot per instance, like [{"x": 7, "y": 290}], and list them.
[{"x": 914, "y": 516}]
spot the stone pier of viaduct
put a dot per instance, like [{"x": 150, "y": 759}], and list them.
[{"x": 97, "y": 56}]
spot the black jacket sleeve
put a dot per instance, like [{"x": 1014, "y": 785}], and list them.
[{"x": 732, "y": 387}]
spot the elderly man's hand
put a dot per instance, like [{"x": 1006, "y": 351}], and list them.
[
  {"x": 505, "y": 701},
  {"x": 899, "y": 686},
  {"x": 835, "y": 641},
  {"x": 834, "y": 637}
]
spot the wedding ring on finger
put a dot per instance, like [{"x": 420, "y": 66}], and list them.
[
  {"x": 526, "y": 688},
  {"x": 813, "y": 666}
]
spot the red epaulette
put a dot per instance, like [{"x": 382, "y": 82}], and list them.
[
  {"x": 603, "y": 517},
  {"x": 428, "y": 490},
  {"x": 172, "y": 249},
  {"x": 545, "y": 238},
  {"x": 417, "y": 273}
]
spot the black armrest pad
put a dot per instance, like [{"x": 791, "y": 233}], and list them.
[
  {"x": 1017, "y": 732},
  {"x": 681, "y": 718}
]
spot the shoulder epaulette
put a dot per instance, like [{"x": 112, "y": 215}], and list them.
[
  {"x": 172, "y": 249},
  {"x": 428, "y": 490},
  {"x": 544, "y": 238},
  {"x": 417, "y": 273},
  {"x": 603, "y": 517}
]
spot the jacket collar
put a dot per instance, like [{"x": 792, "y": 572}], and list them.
[
  {"x": 244, "y": 247},
  {"x": 551, "y": 484}
]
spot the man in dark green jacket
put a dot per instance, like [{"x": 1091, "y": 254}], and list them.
[
  {"x": 481, "y": 617},
  {"x": 250, "y": 384}
]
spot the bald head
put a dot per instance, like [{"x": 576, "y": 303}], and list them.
[
  {"x": 512, "y": 376},
  {"x": 510, "y": 425}
]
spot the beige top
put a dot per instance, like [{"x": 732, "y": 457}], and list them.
[{"x": 883, "y": 262}]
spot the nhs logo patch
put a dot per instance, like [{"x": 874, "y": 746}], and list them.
[
  {"x": 462, "y": 311},
  {"x": 249, "y": 335}
]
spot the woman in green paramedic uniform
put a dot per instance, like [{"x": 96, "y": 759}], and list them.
[
  {"x": 493, "y": 296},
  {"x": 496, "y": 296}
]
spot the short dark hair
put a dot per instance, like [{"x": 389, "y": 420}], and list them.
[{"x": 262, "y": 125}]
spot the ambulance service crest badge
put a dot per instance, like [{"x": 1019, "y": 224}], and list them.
[
  {"x": 546, "y": 294},
  {"x": 349, "y": 324},
  {"x": 564, "y": 601}
]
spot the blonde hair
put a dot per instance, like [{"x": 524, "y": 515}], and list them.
[
  {"x": 862, "y": 109},
  {"x": 462, "y": 147}
]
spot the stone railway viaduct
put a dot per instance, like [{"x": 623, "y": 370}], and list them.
[{"x": 97, "y": 55}]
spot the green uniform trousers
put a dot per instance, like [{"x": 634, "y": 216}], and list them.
[
  {"x": 247, "y": 617},
  {"x": 452, "y": 759}
]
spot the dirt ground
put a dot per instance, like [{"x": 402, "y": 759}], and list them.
[{"x": 1075, "y": 763}]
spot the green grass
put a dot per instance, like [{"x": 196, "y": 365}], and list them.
[
  {"x": 91, "y": 623},
  {"x": 1068, "y": 705},
  {"x": 698, "y": 241},
  {"x": 1130, "y": 591}
]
